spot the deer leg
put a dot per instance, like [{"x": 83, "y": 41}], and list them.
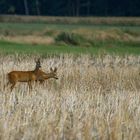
[
  {"x": 6, "y": 85},
  {"x": 12, "y": 86},
  {"x": 41, "y": 81},
  {"x": 30, "y": 85}
]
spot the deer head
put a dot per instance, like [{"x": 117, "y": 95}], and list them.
[
  {"x": 38, "y": 64},
  {"x": 51, "y": 74}
]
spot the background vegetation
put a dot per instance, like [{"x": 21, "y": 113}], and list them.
[
  {"x": 71, "y": 7},
  {"x": 39, "y": 35}
]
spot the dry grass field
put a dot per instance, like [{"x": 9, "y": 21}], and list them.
[{"x": 95, "y": 98}]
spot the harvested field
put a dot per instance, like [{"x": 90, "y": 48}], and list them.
[{"x": 94, "y": 98}]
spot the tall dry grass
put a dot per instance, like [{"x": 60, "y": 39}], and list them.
[{"x": 94, "y": 98}]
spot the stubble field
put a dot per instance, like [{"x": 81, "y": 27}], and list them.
[{"x": 94, "y": 98}]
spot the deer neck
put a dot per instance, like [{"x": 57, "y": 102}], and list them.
[
  {"x": 36, "y": 70},
  {"x": 49, "y": 75}
]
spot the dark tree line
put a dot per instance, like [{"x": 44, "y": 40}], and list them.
[{"x": 71, "y": 7}]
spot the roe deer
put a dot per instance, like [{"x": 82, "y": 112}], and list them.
[
  {"x": 23, "y": 76},
  {"x": 42, "y": 76}
]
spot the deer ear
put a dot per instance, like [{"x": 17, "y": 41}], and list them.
[
  {"x": 55, "y": 69},
  {"x": 38, "y": 63},
  {"x": 51, "y": 69},
  {"x": 37, "y": 60}
]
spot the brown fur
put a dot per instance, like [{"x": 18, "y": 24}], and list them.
[
  {"x": 30, "y": 76},
  {"x": 23, "y": 76}
]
